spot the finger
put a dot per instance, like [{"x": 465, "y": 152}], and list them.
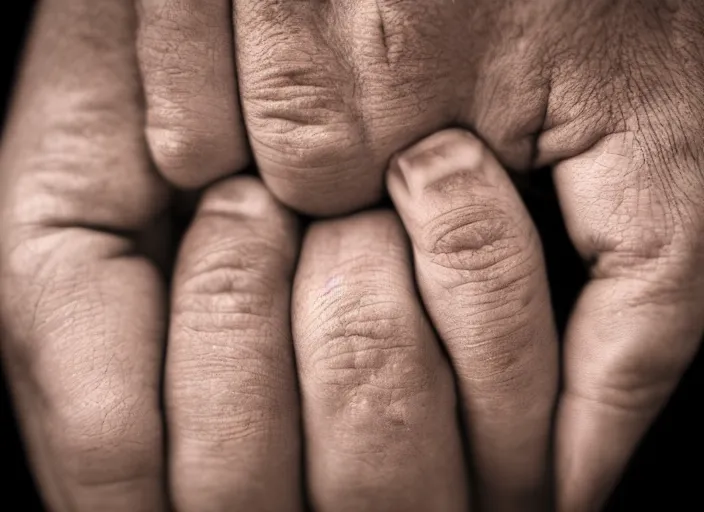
[
  {"x": 480, "y": 272},
  {"x": 638, "y": 323},
  {"x": 378, "y": 398},
  {"x": 194, "y": 125},
  {"x": 325, "y": 86},
  {"x": 81, "y": 310},
  {"x": 231, "y": 381}
]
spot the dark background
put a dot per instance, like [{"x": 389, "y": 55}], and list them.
[{"x": 666, "y": 473}]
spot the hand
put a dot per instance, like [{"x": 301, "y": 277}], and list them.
[
  {"x": 610, "y": 93},
  {"x": 83, "y": 319},
  {"x": 83, "y": 310},
  {"x": 377, "y": 397}
]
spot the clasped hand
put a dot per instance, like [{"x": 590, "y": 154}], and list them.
[{"x": 381, "y": 360}]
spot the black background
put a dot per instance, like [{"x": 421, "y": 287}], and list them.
[{"x": 666, "y": 473}]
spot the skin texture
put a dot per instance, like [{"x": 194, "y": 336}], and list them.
[
  {"x": 479, "y": 268},
  {"x": 82, "y": 310},
  {"x": 609, "y": 92},
  {"x": 193, "y": 119},
  {"x": 376, "y": 390},
  {"x": 368, "y": 408},
  {"x": 231, "y": 397},
  {"x": 345, "y": 400}
]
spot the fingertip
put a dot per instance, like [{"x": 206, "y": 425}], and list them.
[
  {"x": 193, "y": 117},
  {"x": 244, "y": 203},
  {"x": 243, "y": 196},
  {"x": 453, "y": 175},
  {"x": 435, "y": 161},
  {"x": 190, "y": 159}
]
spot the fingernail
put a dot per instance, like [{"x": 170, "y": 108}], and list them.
[{"x": 435, "y": 161}]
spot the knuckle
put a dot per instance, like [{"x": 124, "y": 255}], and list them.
[
  {"x": 192, "y": 118},
  {"x": 307, "y": 142},
  {"x": 468, "y": 229},
  {"x": 231, "y": 287},
  {"x": 656, "y": 250},
  {"x": 293, "y": 97},
  {"x": 56, "y": 185},
  {"x": 233, "y": 266},
  {"x": 481, "y": 246},
  {"x": 637, "y": 383},
  {"x": 297, "y": 114},
  {"x": 365, "y": 364},
  {"x": 228, "y": 297},
  {"x": 497, "y": 356},
  {"x": 311, "y": 152},
  {"x": 488, "y": 262}
]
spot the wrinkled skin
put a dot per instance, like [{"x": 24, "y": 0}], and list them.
[
  {"x": 610, "y": 93},
  {"x": 346, "y": 396},
  {"x": 367, "y": 416}
]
